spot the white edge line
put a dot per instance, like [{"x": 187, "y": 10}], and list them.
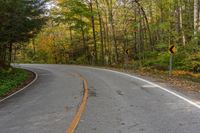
[
  {"x": 151, "y": 83},
  {"x": 36, "y": 77}
]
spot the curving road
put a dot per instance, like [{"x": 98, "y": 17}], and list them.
[{"x": 117, "y": 103}]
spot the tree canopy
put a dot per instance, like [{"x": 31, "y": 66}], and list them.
[
  {"x": 136, "y": 33},
  {"x": 20, "y": 21}
]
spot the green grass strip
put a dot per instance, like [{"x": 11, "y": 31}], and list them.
[{"x": 10, "y": 79}]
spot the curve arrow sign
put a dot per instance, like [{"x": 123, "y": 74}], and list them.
[{"x": 172, "y": 49}]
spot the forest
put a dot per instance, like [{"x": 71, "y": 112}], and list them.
[{"x": 117, "y": 33}]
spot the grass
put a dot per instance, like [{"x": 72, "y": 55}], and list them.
[
  {"x": 10, "y": 79},
  {"x": 187, "y": 75},
  {"x": 190, "y": 78}
]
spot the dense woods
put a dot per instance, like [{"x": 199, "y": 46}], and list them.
[
  {"x": 123, "y": 33},
  {"x": 20, "y": 20}
]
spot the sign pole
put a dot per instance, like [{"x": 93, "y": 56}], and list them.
[
  {"x": 126, "y": 60},
  {"x": 172, "y": 50},
  {"x": 170, "y": 64}
]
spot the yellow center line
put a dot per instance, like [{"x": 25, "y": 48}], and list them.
[{"x": 77, "y": 117}]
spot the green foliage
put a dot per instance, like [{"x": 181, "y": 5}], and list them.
[
  {"x": 164, "y": 26},
  {"x": 75, "y": 13},
  {"x": 161, "y": 61},
  {"x": 10, "y": 79},
  {"x": 162, "y": 47},
  {"x": 192, "y": 58},
  {"x": 186, "y": 58},
  {"x": 146, "y": 28},
  {"x": 20, "y": 21},
  {"x": 80, "y": 60},
  {"x": 6, "y": 70}
]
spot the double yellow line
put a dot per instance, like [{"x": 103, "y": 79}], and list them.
[{"x": 77, "y": 117}]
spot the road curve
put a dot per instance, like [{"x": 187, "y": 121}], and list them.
[{"x": 117, "y": 104}]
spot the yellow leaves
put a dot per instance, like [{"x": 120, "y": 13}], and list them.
[
  {"x": 179, "y": 72},
  {"x": 187, "y": 73},
  {"x": 60, "y": 1}
]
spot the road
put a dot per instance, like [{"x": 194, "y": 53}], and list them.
[{"x": 117, "y": 103}]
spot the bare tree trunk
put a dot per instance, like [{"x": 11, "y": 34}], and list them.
[
  {"x": 105, "y": 42},
  {"x": 199, "y": 19},
  {"x": 110, "y": 12},
  {"x": 135, "y": 31},
  {"x": 2, "y": 55},
  {"x": 109, "y": 51},
  {"x": 181, "y": 24},
  {"x": 71, "y": 39},
  {"x": 84, "y": 43},
  {"x": 196, "y": 12},
  {"x": 114, "y": 38},
  {"x": 101, "y": 33},
  {"x": 93, "y": 30},
  {"x": 140, "y": 39},
  {"x": 10, "y": 53},
  {"x": 147, "y": 23},
  {"x": 141, "y": 35},
  {"x": 33, "y": 43}
]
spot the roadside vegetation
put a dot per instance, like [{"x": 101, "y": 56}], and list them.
[
  {"x": 10, "y": 79},
  {"x": 20, "y": 20},
  {"x": 132, "y": 34}
]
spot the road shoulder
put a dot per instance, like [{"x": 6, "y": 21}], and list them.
[
  {"x": 184, "y": 87},
  {"x": 30, "y": 78}
]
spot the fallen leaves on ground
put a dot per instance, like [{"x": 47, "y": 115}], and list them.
[{"x": 181, "y": 80}]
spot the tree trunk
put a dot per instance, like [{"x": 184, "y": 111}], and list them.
[
  {"x": 181, "y": 24},
  {"x": 196, "y": 11},
  {"x": 84, "y": 43},
  {"x": 2, "y": 55},
  {"x": 101, "y": 33},
  {"x": 10, "y": 54},
  {"x": 109, "y": 52},
  {"x": 94, "y": 34},
  {"x": 71, "y": 40},
  {"x": 114, "y": 38},
  {"x": 147, "y": 23},
  {"x": 33, "y": 43}
]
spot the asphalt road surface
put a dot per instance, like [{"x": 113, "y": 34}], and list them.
[{"x": 116, "y": 104}]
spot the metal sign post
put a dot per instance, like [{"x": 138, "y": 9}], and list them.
[
  {"x": 170, "y": 64},
  {"x": 126, "y": 60},
  {"x": 172, "y": 51}
]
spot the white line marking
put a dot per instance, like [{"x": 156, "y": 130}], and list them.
[
  {"x": 148, "y": 86},
  {"x": 151, "y": 83},
  {"x": 36, "y": 77}
]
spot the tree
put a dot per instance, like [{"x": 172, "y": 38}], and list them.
[
  {"x": 102, "y": 31},
  {"x": 21, "y": 20},
  {"x": 196, "y": 14},
  {"x": 76, "y": 15}
]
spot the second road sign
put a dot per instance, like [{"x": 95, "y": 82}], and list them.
[{"x": 172, "y": 49}]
